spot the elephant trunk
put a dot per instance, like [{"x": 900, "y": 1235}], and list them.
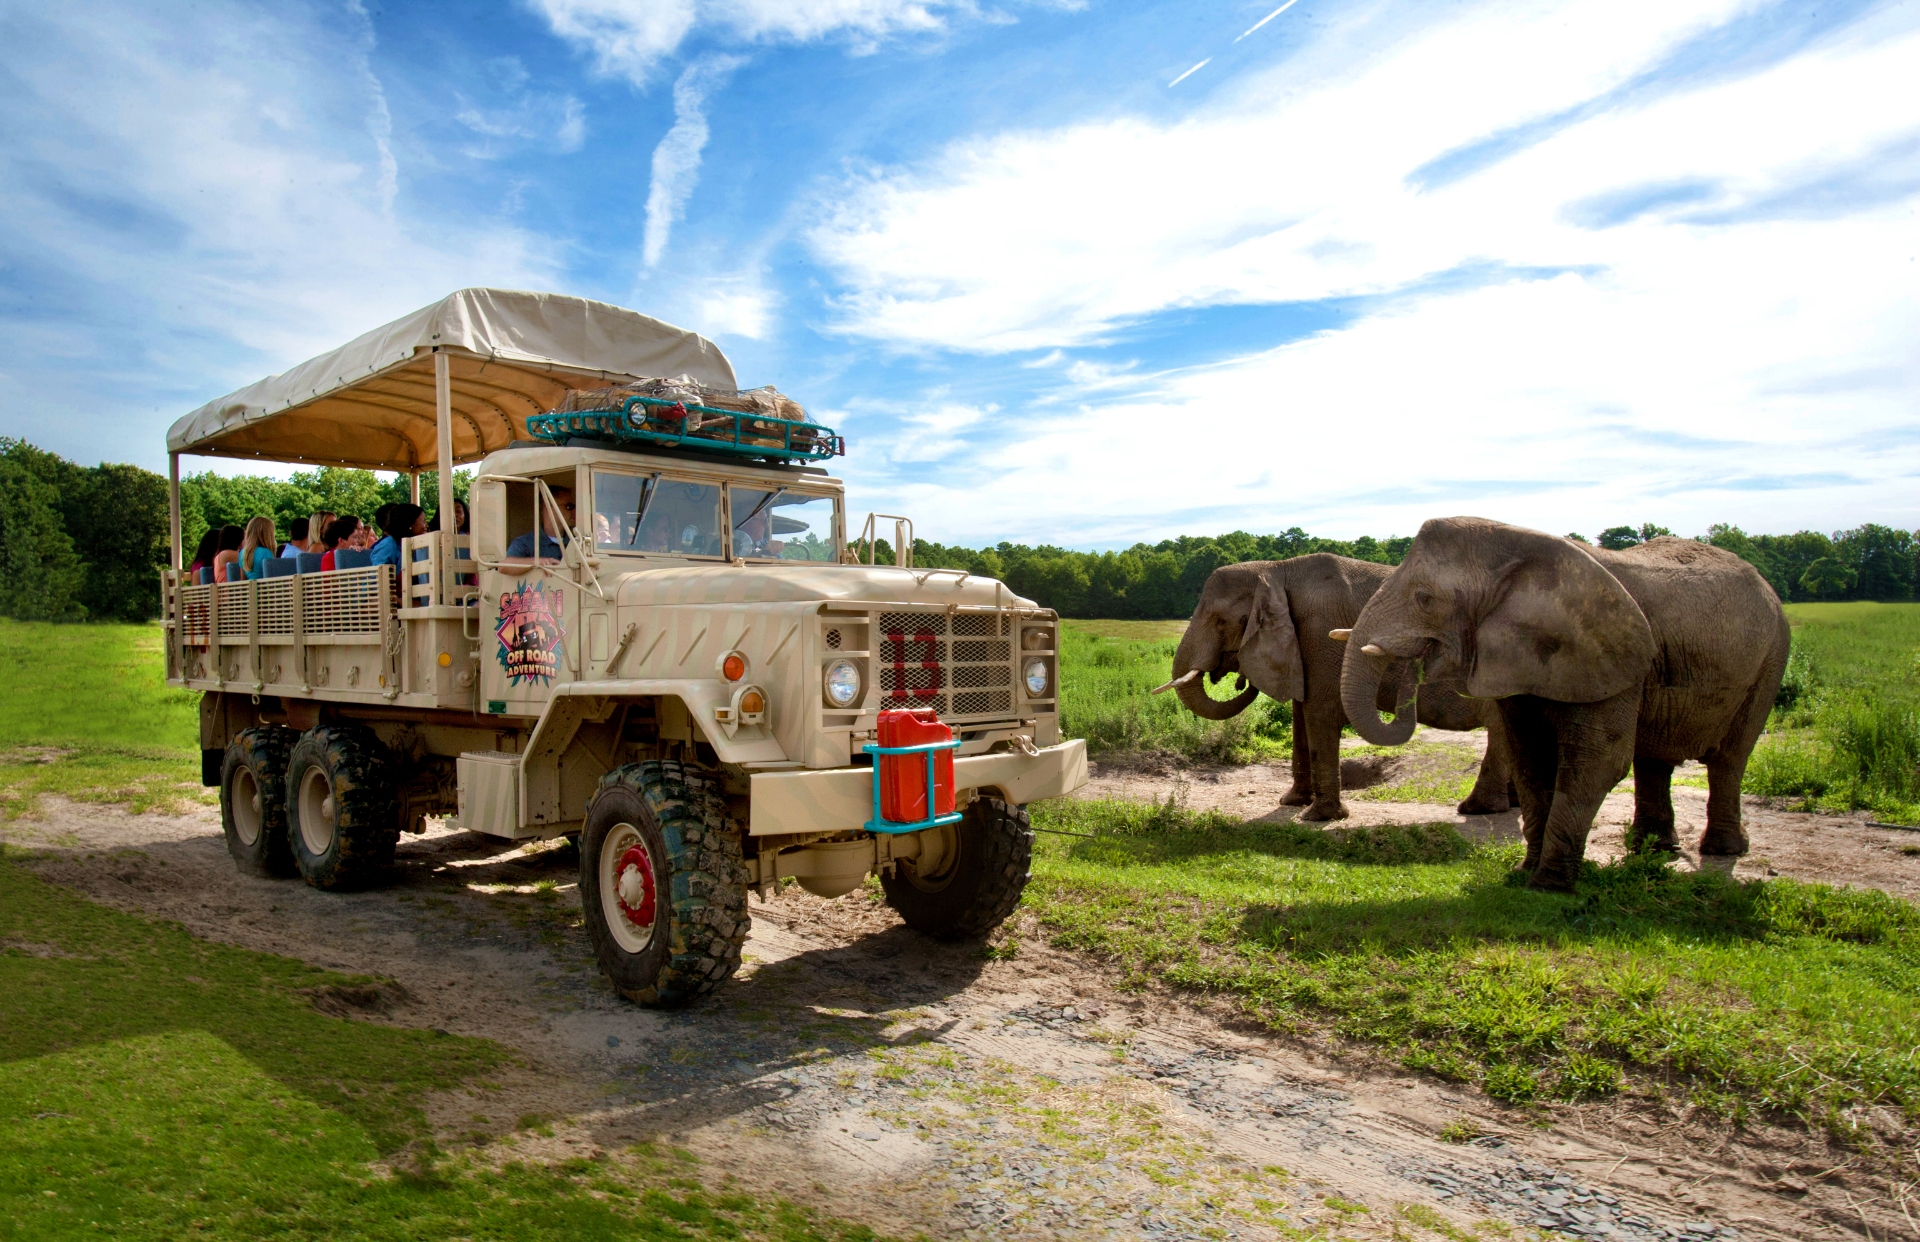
[
  {"x": 1194, "y": 694},
  {"x": 1361, "y": 675}
]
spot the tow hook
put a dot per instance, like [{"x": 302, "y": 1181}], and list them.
[{"x": 1024, "y": 745}]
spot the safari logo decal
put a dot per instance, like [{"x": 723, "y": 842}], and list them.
[{"x": 530, "y": 634}]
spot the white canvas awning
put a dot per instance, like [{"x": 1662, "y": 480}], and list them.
[{"x": 510, "y": 354}]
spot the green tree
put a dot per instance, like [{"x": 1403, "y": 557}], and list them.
[
  {"x": 1881, "y": 558},
  {"x": 1618, "y": 538},
  {"x": 1827, "y": 578},
  {"x": 45, "y": 577}
]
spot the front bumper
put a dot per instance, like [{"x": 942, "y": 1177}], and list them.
[{"x": 838, "y": 799}]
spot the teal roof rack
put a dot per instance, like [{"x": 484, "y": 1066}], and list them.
[{"x": 679, "y": 424}]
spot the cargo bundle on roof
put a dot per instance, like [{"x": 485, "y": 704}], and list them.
[{"x": 757, "y": 422}]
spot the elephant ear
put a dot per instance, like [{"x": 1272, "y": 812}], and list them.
[
  {"x": 1269, "y": 648},
  {"x": 1564, "y": 629}
]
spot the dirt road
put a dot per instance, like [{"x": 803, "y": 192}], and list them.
[{"x": 862, "y": 1069}]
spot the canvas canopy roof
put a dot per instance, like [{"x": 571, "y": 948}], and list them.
[{"x": 371, "y": 403}]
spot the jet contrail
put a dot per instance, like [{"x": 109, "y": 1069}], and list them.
[
  {"x": 1197, "y": 68},
  {"x": 1263, "y": 21}
]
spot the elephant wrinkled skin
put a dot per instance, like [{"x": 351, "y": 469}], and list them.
[
  {"x": 1668, "y": 651},
  {"x": 1269, "y": 622}
]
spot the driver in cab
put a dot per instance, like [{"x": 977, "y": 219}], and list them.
[{"x": 522, "y": 555}]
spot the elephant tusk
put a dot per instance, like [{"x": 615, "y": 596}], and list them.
[
  {"x": 1181, "y": 680},
  {"x": 1371, "y": 649},
  {"x": 1339, "y": 636}
]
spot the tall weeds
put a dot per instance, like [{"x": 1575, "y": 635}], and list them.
[{"x": 1104, "y": 697}]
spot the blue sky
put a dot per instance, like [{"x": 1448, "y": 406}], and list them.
[{"x": 1087, "y": 273}]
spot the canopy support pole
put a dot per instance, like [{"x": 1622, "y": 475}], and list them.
[
  {"x": 443, "y": 471},
  {"x": 173, "y": 507},
  {"x": 413, "y": 486}
]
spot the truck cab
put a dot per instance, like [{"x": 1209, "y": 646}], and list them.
[{"x": 667, "y": 650}]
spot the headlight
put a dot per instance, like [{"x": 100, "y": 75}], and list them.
[
  {"x": 1036, "y": 678},
  {"x": 843, "y": 683}
]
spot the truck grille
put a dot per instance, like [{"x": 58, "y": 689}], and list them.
[{"x": 959, "y": 666}]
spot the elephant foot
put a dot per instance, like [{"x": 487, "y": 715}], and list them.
[
  {"x": 1723, "y": 842},
  {"x": 1545, "y": 881},
  {"x": 1652, "y": 840},
  {"x": 1491, "y": 804},
  {"x": 1320, "y": 812},
  {"x": 1297, "y": 795}
]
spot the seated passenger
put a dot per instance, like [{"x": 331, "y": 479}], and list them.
[
  {"x": 339, "y": 533},
  {"x": 256, "y": 549},
  {"x": 296, "y": 537},
  {"x": 317, "y": 529},
  {"x": 403, "y": 521},
  {"x": 231, "y": 537},
  {"x": 521, "y": 554},
  {"x": 204, "y": 554}
]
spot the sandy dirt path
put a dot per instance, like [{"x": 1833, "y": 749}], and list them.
[{"x": 859, "y": 1068}]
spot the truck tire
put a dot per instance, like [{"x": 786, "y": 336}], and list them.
[
  {"x": 976, "y": 889},
  {"x": 253, "y": 800},
  {"x": 342, "y": 817},
  {"x": 662, "y": 884}
]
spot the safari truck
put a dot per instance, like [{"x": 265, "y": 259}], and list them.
[{"x": 654, "y": 639}]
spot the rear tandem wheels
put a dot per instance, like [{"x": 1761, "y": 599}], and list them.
[{"x": 663, "y": 881}]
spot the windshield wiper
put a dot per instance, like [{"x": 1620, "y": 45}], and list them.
[
  {"x": 647, "y": 490},
  {"x": 766, "y": 502}
]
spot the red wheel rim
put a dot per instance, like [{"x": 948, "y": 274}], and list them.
[{"x": 635, "y": 859}]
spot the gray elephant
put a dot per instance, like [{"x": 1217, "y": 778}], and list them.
[
  {"x": 1271, "y": 623},
  {"x": 1668, "y": 651}
]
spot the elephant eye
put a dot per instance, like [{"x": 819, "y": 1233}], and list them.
[{"x": 1424, "y": 599}]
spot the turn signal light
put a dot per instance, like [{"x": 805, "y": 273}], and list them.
[
  {"x": 733, "y": 668},
  {"x": 752, "y": 703}
]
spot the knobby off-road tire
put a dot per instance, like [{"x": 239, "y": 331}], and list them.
[
  {"x": 253, "y": 800},
  {"x": 662, "y": 884},
  {"x": 973, "y": 892},
  {"x": 343, "y": 819}
]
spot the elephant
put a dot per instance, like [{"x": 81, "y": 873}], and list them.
[
  {"x": 1272, "y": 623},
  {"x": 1599, "y": 660}
]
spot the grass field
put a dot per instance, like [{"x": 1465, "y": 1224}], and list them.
[
  {"x": 1106, "y": 670},
  {"x": 157, "y": 1086},
  {"x": 1768, "y": 995}
]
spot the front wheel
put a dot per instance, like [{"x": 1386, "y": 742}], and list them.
[
  {"x": 973, "y": 873},
  {"x": 662, "y": 884}
]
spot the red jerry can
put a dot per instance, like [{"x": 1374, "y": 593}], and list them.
[{"x": 903, "y": 778}]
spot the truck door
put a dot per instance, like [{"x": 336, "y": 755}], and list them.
[{"x": 529, "y": 605}]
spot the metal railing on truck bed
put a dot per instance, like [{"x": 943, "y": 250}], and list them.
[{"x": 338, "y": 634}]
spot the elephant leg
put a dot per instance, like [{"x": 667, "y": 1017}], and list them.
[
  {"x": 1490, "y": 794},
  {"x": 1725, "y": 835},
  {"x": 1301, "y": 791},
  {"x": 1323, "y": 740},
  {"x": 1535, "y": 752},
  {"x": 1596, "y": 752},
  {"x": 1652, "y": 827}
]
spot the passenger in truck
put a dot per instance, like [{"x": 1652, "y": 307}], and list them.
[
  {"x": 339, "y": 535},
  {"x": 256, "y": 549},
  {"x": 296, "y": 538},
  {"x": 521, "y": 555},
  {"x": 231, "y": 537},
  {"x": 402, "y": 521},
  {"x": 204, "y": 554}
]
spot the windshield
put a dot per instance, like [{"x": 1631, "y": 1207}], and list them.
[
  {"x": 653, "y": 513},
  {"x": 782, "y": 525}
]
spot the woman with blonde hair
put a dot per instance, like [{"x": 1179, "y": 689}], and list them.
[{"x": 256, "y": 548}]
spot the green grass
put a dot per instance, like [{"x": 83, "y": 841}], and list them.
[
  {"x": 1769, "y": 995},
  {"x": 157, "y": 1086},
  {"x": 86, "y": 714},
  {"x": 1845, "y": 734},
  {"x": 1106, "y": 671}
]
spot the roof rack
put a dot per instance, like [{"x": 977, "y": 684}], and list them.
[{"x": 678, "y": 424}]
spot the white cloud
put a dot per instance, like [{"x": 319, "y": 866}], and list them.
[
  {"x": 194, "y": 198},
  {"x": 633, "y": 37},
  {"x": 1688, "y": 371},
  {"x": 676, "y": 161}
]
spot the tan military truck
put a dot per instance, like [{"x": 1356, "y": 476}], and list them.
[{"x": 653, "y": 641}]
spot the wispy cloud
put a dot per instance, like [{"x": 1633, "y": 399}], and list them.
[
  {"x": 1189, "y": 73},
  {"x": 635, "y": 37},
  {"x": 1269, "y": 17},
  {"x": 676, "y": 161}
]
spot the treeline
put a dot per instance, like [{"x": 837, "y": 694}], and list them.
[
  {"x": 80, "y": 542},
  {"x": 86, "y": 541},
  {"x": 1163, "y": 580}
]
